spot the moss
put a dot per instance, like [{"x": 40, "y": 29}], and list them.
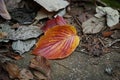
[{"x": 112, "y": 3}]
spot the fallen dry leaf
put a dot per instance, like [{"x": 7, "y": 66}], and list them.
[
  {"x": 58, "y": 42},
  {"x": 52, "y": 5},
  {"x": 3, "y": 74},
  {"x": 116, "y": 34},
  {"x": 3, "y": 34},
  {"x": 3, "y": 10},
  {"x": 25, "y": 75},
  {"x": 12, "y": 69},
  {"x": 117, "y": 26},
  {"x": 107, "y": 33},
  {"x": 93, "y": 25},
  {"x": 41, "y": 64},
  {"x": 53, "y": 22}
]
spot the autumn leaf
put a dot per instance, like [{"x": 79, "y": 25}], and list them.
[
  {"x": 42, "y": 67},
  {"x": 57, "y": 42},
  {"x": 12, "y": 69},
  {"x": 53, "y": 22},
  {"x": 3, "y": 34}
]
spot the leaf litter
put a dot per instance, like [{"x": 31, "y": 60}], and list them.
[{"x": 95, "y": 40}]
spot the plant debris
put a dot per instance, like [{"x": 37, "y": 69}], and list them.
[
  {"x": 42, "y": 66},
  {"x": 53, "y": 22},
  {"x": 3, "y": 10},
  {"x": 23, "y": 46},
  {"x": 58, "y": 42},
  {"x": 112, "y": 15},
  {"x": 52, "y": 5},
  {"x": 93, "y": 25},
  {"x": 52, "y": 30}
]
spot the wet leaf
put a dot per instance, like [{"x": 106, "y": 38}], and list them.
[
  {"x": 53, "y": 22},
  {"x": 41, "y": 64},
  {"x": 58, "y": 42}
]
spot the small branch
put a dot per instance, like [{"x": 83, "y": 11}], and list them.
[
  {"x": 101, "y": 42},
  {"x": 79, "y": 23},
  {"x": 115, "y": 41}
]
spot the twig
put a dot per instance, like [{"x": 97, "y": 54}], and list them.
[
  {"x": 115, "y": 41},
  {"x": 101, "y": 42},
  {"x": 79, "y": 23},
  {"x": 101, "y": 3}
]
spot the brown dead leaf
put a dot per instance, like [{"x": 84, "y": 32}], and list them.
[
  {"x": 107, "y": 33},
  {"x": 3, "y": 34},
  {"x": 12, "y": 69},
  {"x": 3, "y": 74},
  {"x": 3, "y": 10},
  {"x": 41, "y": 64},
  {"x": 17, "y": 25},
  {"x": 117, "y": 26},
  {"x": 116, "y": 34},
  {"x": 25, "y": 75},
  {"x": 14, "y": 56}
]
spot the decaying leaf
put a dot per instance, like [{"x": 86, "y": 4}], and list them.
[
  {"x": 3, "y": 34},
  {"x": 53, "y": 22},
  {"x": 42, "y": 13},
  {"x": 58, "y": 42},
  {"x": 3, "y": 10},
  {"x": 25, "y": 32},
  {"x": 25, "y": 75},
  {"x": 112, "y": 15},
  {"x": 7, "y": 29},
  {"x": 117, "y": 26},
  {"x": 22, "y": 33},
  {"x": 116, "y": 34},
  {"x": 23, "y": 46},
  {"x": 14, "y": 3},
  {"x": 3, "y": 74},
  {"x": 52, "y": 5},
  {"x": 12, "y": 69},
  {"x": 93, "y": 25},
  {"x": 107, "y": 33},
  {"x": 61, "y": 13},
  {"x": 42, "y": 65}
]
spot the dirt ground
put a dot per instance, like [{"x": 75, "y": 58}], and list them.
[{"x": 80, "y": 66}]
